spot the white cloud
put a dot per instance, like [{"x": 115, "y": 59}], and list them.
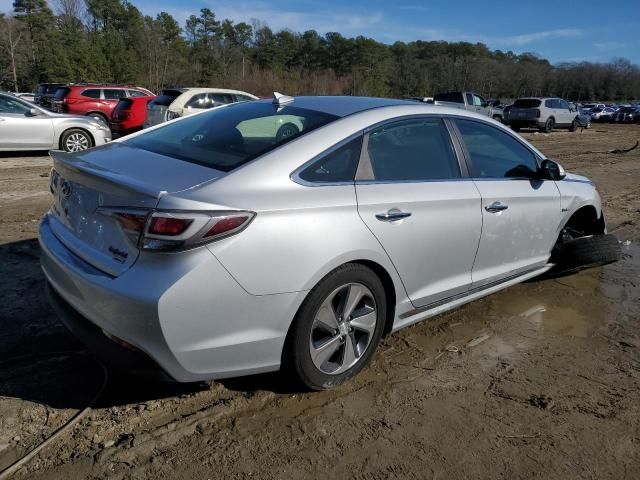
[
  {"x": 609, "y": 45},
  {"x": 529, "y": 38}
]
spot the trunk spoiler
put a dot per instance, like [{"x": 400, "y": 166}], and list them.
[{"x": 75, "y": 167}]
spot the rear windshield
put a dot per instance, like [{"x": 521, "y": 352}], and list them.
[
  {"x": 455, "y": 97},
  {"x": 167, "y": 97},
  {"x": 225, "y": 138},
  {"x": 48, "y": 88},
  {"x": 526, "y": 103},
  {"x": 62, "y": 92}
]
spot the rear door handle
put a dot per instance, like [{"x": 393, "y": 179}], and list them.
[
  {"x": 391, "y": 215},
  {"x": 496, "y": 207}
]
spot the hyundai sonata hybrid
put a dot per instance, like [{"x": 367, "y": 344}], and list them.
[{"x": 216, "y": 245}]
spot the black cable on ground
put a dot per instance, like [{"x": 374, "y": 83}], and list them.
[{"x": 18, "y": 464}]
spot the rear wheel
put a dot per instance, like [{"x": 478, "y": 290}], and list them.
[
  {"x": 337, "y": 328},
  {"x": 75, "y": 140},
  {"x": 548, "y": 125},
  {"x": 285, "y": 131}
]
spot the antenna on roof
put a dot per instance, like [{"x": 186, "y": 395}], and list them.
[{"x": 280, "y": 99}]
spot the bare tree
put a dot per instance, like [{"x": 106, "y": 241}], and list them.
[{"x": 12, "y": 31}]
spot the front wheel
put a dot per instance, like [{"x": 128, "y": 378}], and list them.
[
  {"x": 575, "y": 254},
  {"x": 337, "y": 328},
  {"x": 75, "y": 140},
  {"x": 574, "y": 126}
]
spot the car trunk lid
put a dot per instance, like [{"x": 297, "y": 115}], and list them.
[{"x": 87, "y": 183}]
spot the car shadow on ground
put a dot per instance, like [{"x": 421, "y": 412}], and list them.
[
  {"x": 41, "y": 361},
  {"x": 26, "y": 153}
]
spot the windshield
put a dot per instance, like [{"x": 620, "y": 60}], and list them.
[
  {"x": 225, "y": 138},
  {"x": 527, "y": 103}
]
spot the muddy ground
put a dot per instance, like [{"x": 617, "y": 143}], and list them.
[{"x": 538, "y": 381}]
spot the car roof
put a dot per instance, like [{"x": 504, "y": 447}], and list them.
[
  {"x": 341, "y": 106},
  {"x": 209, "y": 90}
]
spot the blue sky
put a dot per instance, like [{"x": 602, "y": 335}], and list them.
[{"x": 586, "y": 30}]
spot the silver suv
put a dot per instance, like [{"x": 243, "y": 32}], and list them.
[{"x": 542, "y": 113}]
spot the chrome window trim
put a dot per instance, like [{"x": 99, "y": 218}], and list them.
[{"x": 295, "y": 175}]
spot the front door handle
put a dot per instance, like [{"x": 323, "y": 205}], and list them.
[
  {"x": 496, "y": 207},
  {"x": 392, "y": 215}
]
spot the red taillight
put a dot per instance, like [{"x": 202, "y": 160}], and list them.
[
  {"x": 169, "y": 226},
  {"x": 177, "y": 230},
  {"x": 130, "y": 221},
  {"x": 225, "y": 225}
]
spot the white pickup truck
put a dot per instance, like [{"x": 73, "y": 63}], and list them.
[{"x": 469, "y": 101}]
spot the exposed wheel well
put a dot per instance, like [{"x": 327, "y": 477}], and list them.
[
  {"x": 586, "y": 220},
  {"x": 93, "y": 140},
  {"x": 389, "y": 290}
]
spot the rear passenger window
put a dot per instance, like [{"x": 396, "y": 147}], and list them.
[
  {"x": 337, "y": 166},
  {"x": 495, "y": 154},
  {"x": 200, "y": 101},
  {"x": 413, "y": 150},
  {"x": 221, "y": 98},
  {"x": 91, "y": 93},
  {"x": 136, "y": 93},
  {"x": 114, "y": 94}
]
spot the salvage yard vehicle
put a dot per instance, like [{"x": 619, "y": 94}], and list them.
[
  {"x": 544, "y": 114},
  {"x": 212, "y": 251},
  {"x": 93, "y": 100},
  {"x": 176, "y": 103},
  {"x": 470, "y": 101},
  {"x": 129, "y": 115},
  {"x": 626, "y": 115},
  {"x": 25, "y": 126},
  {"x": 45, "y": 93}
]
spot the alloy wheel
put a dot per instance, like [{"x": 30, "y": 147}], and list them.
[
  {"x": 343, "y": 328},
  {"x": 76, "y": 142}
]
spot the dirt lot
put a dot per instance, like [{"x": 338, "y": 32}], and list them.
[{"x": 540, "y": 380}]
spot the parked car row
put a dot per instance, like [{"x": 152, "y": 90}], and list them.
[{"x": 56, "y": 108}]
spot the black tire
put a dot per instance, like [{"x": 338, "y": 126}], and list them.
[
  {"x": 574, "y": 126},
  {"x": 498, "y": 118},
  {"x": 82, "y": 136},
  {"x": 515, "y": 127},
  {"x": 586, "y": 252},
  {"x": 548, "y": 125},
  {"x": 297, "y": 358},
  {"x": 287, "y": 130},
  {"x": 99, "y": 117}
]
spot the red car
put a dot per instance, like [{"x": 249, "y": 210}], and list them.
[
  {"x": 93, "y": 100},
  {"x": 129, "y": 115}
]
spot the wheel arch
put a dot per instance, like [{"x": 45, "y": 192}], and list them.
[
  {"x": 586, "y": 219},
  {"x": 64, "y": 132}
]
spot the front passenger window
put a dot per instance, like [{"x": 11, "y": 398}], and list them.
[
  {"x": 413, "y": 150},
  {"x": 495, "y": 154}
]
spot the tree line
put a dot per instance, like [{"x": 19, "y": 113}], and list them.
[{"x": 112, "y": 41}]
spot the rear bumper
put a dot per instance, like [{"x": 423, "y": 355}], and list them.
[
  {"x": 184, "y": 311},
  {"x": 524, "y": 122}
]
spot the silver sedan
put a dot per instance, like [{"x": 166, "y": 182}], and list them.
[
  {"x": 295, "y": 232},
  {"x": 25, "y": 126}
]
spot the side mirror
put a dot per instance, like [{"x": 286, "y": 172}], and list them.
[
  {"x": 34, "y": 112},
  {"x": 550, "y": 170},
  {"x": 496, "y": 103}
]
